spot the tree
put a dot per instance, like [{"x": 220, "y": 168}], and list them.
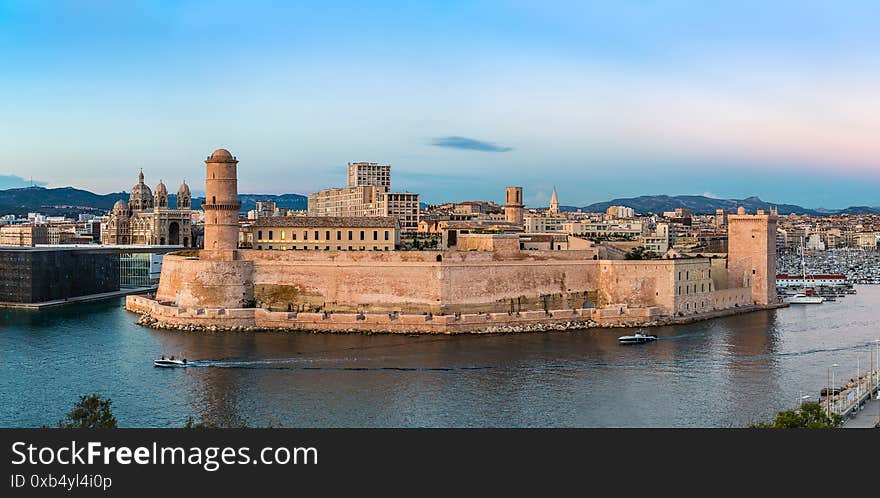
[
  {"x": 90, "y": 412},
  {"x": 639, "y": 252},
  {"x": 810, "y": 416}
]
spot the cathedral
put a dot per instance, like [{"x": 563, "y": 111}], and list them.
[{"x": 148, "y": 220}]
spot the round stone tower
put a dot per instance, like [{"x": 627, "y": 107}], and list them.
[
  {"x": 221, "y": 205},
  {"x": 217, "y": 278}
]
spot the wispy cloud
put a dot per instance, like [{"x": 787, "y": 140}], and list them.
[{"x": 465, "y": 143}]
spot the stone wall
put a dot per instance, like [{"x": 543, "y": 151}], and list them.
[
  {"x": 422, "y": 281},
  {"x": 164, "y": 316},
  {"x": 189, "y": 281}
]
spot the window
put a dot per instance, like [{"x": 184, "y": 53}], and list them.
[
  {"x": 292, "y": 235},
  {"x": 375, "y": 235},
  {"x": 362, "y": 235},
  {"x": 316, "y": 235},
  {"x": 260, "y": 235},
  {"x": 338, "y": 235},
  {"x": 327, "y": 235},
  {"x": 305, "y": 235},
  {"x": 386, "y": 234},
  {"x": 349, "y": 237},
  {"x": 282, "y": 234},
  {"x": 270, "y": 236}
]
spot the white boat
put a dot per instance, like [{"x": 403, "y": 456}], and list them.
[
  {"x": 804, "y": 299},
  {"x": 638, "y": 338},
  {"x": 170, "y": 362}
]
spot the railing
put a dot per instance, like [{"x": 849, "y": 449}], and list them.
[
  {"x": 847, "y": 400},
  {"x": 221, "y": 207}
]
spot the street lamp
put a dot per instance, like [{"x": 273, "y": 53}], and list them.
[
  {"x": 803, "y": 399},
  {"x": 833, "y": 366},
  {"x": 877, "y": 377}
]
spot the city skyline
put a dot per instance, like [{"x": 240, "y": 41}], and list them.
[{"x": 603, "y": 101}]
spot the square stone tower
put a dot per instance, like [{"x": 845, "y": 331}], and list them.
[
  {"x": 751, "y": 253},
  {"x": 513, "y": 206}
]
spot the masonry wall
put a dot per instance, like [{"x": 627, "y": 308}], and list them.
[
  {"x": 190, "y": 281},
  {"x": 422, "y": 281}
]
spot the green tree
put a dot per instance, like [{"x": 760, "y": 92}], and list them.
[
  {"x": 90, "y": 412},
  {"x": 810, "y": 416},
  {"x": 639, "y": 252}
]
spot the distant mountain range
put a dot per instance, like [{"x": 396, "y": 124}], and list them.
[
  {"x": 68, "y": 201},
  {"x": 699, "y": 204}
]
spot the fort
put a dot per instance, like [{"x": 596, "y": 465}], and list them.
[{"x": 486, "y": 283}]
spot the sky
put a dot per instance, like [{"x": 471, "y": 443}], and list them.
[{"x": 602, "y": 100}]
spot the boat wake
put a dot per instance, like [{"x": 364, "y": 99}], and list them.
[{"x": 349, "y": 364}]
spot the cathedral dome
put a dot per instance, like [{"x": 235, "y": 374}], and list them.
[
  {"x": 183, "y": 190},
  {"x": 141, "y": 196},
  {"x": 221, "y": 155},
  {"x": 161, "y": 189},
  {"x": 120, "y": 208}
]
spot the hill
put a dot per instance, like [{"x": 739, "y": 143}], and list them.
[
  {"x": 69, "y": 201},
  {"x": 699, "y": 204}
]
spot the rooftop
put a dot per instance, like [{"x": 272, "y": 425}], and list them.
[{"x": 327, "y": 222}]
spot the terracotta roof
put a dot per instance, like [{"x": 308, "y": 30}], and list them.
[{"x": 327, "y": 222}]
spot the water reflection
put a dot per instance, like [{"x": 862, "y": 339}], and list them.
[{"x": 721, "y": 373}]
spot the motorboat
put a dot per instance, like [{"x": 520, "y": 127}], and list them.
[
  {"x": 804, "y": 299},
  {"x": 638, "y": 338},
  {"x": 170, "y": 362}
]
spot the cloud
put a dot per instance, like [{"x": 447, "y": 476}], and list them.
[
  {"x": 465, "y": 143},
  {"x": 13, "y": 181}
]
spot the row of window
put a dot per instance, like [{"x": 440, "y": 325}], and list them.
[
  {"x": 326, "y": 248},
  {"x": 687, "y": 288},
  {"x": 687, "y": 274},
  {"x": 327, "y": 233}
]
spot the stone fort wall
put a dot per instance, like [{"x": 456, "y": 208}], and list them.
[
  {"x": 443, "y": 282},
  {"x": 422, "y": 281}
]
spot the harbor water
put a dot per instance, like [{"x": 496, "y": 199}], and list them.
[{"x": 725, "y": 372}]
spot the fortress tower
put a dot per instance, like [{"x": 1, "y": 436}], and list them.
[
  {"x": 513, "y": 206},
  {"x": 221, "y": 205},
  {"x": 751, "y": 253}
]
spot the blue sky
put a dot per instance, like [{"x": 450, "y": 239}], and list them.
[{"x": 602, "y": 99}]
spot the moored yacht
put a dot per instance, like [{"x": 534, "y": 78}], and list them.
[{"x": 804, "y": 299}]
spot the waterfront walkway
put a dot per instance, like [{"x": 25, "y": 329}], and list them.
[
  {"x": 855, "y": 402},
  {"x": 79, "y": 299},
  {"x": 868, "y": 416}
]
